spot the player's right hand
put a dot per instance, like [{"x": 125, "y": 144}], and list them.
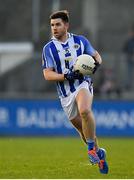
[{"x": 72, "y": 75}]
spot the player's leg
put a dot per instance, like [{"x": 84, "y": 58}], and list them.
[
  {"x": 84, "y": 102},
  {"x": 78, "y": 126},
  {"x": 70, "y": 107},
  {"x": 103, "y": 166},
  {"x": 77, "y": 123}
]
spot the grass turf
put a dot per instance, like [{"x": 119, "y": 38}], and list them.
[{"x": 63, "y": 158}]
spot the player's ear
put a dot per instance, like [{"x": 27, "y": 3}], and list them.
[{"x": 67, "y": 25}]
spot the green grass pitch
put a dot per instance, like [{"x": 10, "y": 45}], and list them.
[{"x": 63, "y": 158}]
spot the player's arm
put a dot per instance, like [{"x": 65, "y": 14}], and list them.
[
  {"x": 97, "y": 57},
  {"x": 88, "y": 49},
  {"x": 98, "y": 61},
  {"x": 48, "y": 69},
  {"x": 48, "y": 66},
  {"x": 92, "y": 52},
  {"x": 51, "y": 75}
]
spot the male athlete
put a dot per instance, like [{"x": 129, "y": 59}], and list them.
[{"x": 75, "y": 90}]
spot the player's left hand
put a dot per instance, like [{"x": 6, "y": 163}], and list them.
[{"x": 97, "y": 65}]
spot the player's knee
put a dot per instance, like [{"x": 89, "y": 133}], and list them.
[{"x": 85, "y": 113}]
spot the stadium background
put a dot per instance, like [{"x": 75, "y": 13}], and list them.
[{"x": 29, "y": 106}]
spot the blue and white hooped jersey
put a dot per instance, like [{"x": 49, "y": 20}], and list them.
[{"x": 62, "y": 56}]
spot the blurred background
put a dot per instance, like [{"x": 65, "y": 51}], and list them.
[{"x": 27, "y": 99}]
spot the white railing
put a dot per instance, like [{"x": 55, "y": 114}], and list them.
[{"x": 13, "y": 54}]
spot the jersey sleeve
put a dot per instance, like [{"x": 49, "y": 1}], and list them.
[
  {"x": 88, "y": 48},
  {"x": 47, "y": 59}
]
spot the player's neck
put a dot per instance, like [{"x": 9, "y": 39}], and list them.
[{"x": 63, "y": 38}]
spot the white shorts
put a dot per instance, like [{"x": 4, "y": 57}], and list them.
[{"x": 69, "y": 103}]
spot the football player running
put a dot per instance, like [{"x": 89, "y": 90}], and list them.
[{"x": 75, "y": 90}]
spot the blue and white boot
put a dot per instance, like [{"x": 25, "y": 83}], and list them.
[{"x": 103, "y": 165}]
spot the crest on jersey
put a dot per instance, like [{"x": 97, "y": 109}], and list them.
[{"x": 76, "y": 46}]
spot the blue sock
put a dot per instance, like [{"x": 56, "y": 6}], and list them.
[{"x": 90, "y": 144}]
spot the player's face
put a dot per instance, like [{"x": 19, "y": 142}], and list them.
[{"x": 58, "y": 28}]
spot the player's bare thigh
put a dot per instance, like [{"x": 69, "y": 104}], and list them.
[{"x": 84, "y": 100}]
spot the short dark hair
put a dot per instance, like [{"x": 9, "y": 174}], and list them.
[{"x": 64, "y": 15}]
